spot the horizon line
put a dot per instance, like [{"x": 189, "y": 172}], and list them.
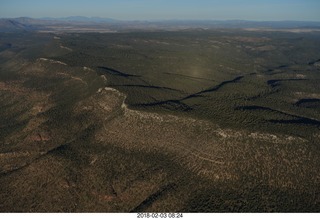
[{"x": 155, "y": 20}]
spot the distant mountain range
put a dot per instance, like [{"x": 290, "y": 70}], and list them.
[
  {"x": 82, "y": 19},
  {"x": 75, "y": 23}
]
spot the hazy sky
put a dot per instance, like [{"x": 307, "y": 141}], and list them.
[{"x": 166, "y": 9}]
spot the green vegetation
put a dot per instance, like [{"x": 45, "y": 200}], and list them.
[{"x": 193, "y": 121}]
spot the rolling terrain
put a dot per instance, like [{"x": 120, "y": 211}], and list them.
[{"x": 223, "y": 120}]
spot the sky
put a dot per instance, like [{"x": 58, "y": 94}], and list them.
[{"x": 259, "y": 10}]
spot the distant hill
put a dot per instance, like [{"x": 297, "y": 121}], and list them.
[
  {"x": 82, "y": 19},
  {"x": 31, "y": 24},
  {"x": 13, "y": 25},
  {"x": 76, "y": 23},
  {"x": 23, "y": 24}
]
